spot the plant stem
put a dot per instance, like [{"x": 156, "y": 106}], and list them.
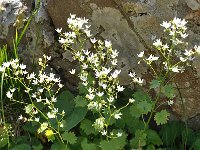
[{"x": 153, "y": 110}]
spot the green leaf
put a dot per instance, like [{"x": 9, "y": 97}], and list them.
[
  {"x": 88, "y": 146},
  {"x": 144, "y": 107},
  {"x": 80, "y": 101},
  {"x": 65, "y": 101},
  {"x": 139, "y": 140},
  {"x": 82, "y": 89},
  {"x": 168, "y": 90},
  {"x": 197, "y": 144},
  {"x": 31, "y": 127},
  {"x": 36, "y": 144},
  {"x": 58, "y": 146},
  {"x": 22, "y": 146},
  {"x": 74, "y": 118},
  {"x": 3, "y": 136},
  {"x": 69, "y": 137},
  {"x": 38, "y": 147},
  {"x": 86, "y": 126},
  {"x": 114, "y": 144},
  {"x": 153, "y": 138},
  {"x": 141, "y": 108},
  {"x": 151, "y": 147},
  {"x": 161, "y": 117},
  {"x": 154, "y": 84},
  {"x": 141, "y": 96}
]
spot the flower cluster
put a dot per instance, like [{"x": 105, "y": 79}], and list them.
[
  {"x": 173, "y": 53},
  {"x": 174, "y": 56},
  {"x": 39, "y": 89},
  {"x": 98, "y": 71}
]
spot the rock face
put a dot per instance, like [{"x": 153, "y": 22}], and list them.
[
  {"x": 131, "y": 25},
  {"x": 193, "y": 4},
  {"x": 12, "y": 13}
]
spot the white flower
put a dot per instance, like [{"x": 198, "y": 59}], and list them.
[
  {"x": 104, "y": 86},
  {"x": 138, "y": 81},
  {"x": 59, "y": 30},
  {"x": 104, "y": 72},
  {"x": 6, "y": 64},
  {"x": 188, "y": 52},
  {"x": 183, "y": 59},
  {"x": 88, "y": 33},
  {"x": 9, "y": 94},
  {"x": 31, "y": 76},
  {"x": 92, "y": 105},
  {"x": 114, "y": 53},
  {"x": 93, "y": 40},
  {"x": 63, "y": 112},
  {"x": 85, "y": 83},
  {"x": 100, "y": 94},
  {"x": 20, "y": 117},
  {"x": 114, "y": 62},
  {"x": 170, "y": 102},
  {"x": 39, "y": 99},
  {"x": 2, "y": 69},
  {"x": 152, "y": 58},
  {"x": 132, "y": 75},
  {"x": 83, "y": 77},
  {"x": 165, "y": 24},
  {"x": 27, "y": 90},
  {"x": 179, "y": 23},
  {"x": 110, "y": 99},
  {"x": 33, "y": 95},
  {"x": 73, "y": 71},
  {"x": 12, "y": 90},
  {"x": 86, "y": 52},
  {"x": 90, "y": 96},
  {"x": 175, "y": 69},
  {"x": 24, "y": 72},
  {"x": 117, "y": 115},
  {"x": 60, "y": 85},
  {"x": 141, "y": 54},
  {"x": 104, "y": 132},
  {"x": 51, "y": 115},
  {"x": 47, "y": 101},
  {"x": 61, "y": 125},
  {"x": 40, "y": 90},
  {"x": 37, "y": 119},
  {"x": 197, "y": 49},
  {"x": 22, "y": 66},
  {"x": 165, "y": 47},
  {"x": 108, "y": 43},
  {"x": 119, "y": 134},
  {"x": 85, "y": 66},
  {"x": 131, "y": 100},
  {"x": 90, "y": 90},
  {"x": 62, "y": 41},
  {"x": 48, "y": 57},
  {"x": 55, "y": 110},
  {"x": 157, "y": 43},
  {"x": 184, "y": 35},
  {"x": 120, "y": 88},
  {"x": 53, "y": 99},
  {"x": 35, "y": 82},
  {"x": 115, "y": 73}
]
